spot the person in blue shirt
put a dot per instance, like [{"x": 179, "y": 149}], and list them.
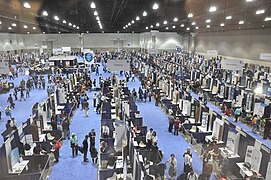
[{"x": 237, "y": 113}]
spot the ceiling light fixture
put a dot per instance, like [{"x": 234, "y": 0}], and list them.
[
  {"x": 92, "y": 5},
  {"x": 175, "y": 19},
  {"x": 249, "y": 0},
  {"x": 59, "y": 32},
  {"x": 190, "y": 15},
  {"x": 222, "y": 24},
  {"x": 166, "y": 28},
  {"x": 129, "y": 24},
  {"x": 151, "y": 26},
  {"x": 208, "y": 26},
  {"x": 193, "y": 23},
  {"x": 28, "y": 33},
  {"x": 182, "y": 25},
  {"x": 208, "y": 20},
  {"x": 74, "y": 26},
  {"x": 137, "y": 18},
  {"x": 70, "y": 24},
  {"x": 157, "y": 24},
  {"x": 64, "y": 21},
  {"x": 212, "y": 9},
  {"x": 77, "y": 27},
  {"x": 197, "y": 27},
  {"x": 13, "y": 24},
  {"x": 155, "y": 6},
  {"x": 43, "y": 32},
  {"x": 229, "y": 17},
  {"x": 95, "y": 13},
  {"x": 132, "y": 21},
  {"x": 34, "y": 28},
  {"x": 173, "y": 27},
  {"x": 144, "y": 13},
  {"x": 25, "y": 26},
  {"x": 56, "y": 18},
  {"x": 97, "y": 18},
  {"x": 0, "y": 22},
  {"x": 267, "y": 19},
  {"x": 188, "y": 28},
  {"x": 27, "y": 5},
  {"x": 9, "y": 28},
  {"x": 45, "y": 13},
  {"x": 262, "y": 11},
  {"x": 124, "y": 27},
  {"x": 241, "y": 22},
  {"x": 165, "y": 22},
  {"x": 147, "y": 27}
]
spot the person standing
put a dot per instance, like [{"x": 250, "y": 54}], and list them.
[
  {"x": 8, "y": 112},
  {"x": 92, "y": 136},
  {"x": 94, "y": 154},
  {"x": 176, "y": 126},
  {"x": 149, "y": 95},
  {"x": 94, "y": 99},
  {"x": 145, "y": 95},
  {"x": 170, "y": 121},
  {"x": 205, "y": 98},
  {"x": 15, "y": 92},
  {"x": 85, "y": 148},
  {"x": 148, "y": 138},
  {"x": 27, "y": 92},
  {"x": 10, "y": 101},
  {"x": 55, "y": 149},
  {"x": 237, "y": 113},
  {"x": 22, "y": 95},
  {"x": 254, "y": 122},
  {"x": 74, "y": 144},
  {"x": 1, "y": 110},
  {"x": 187, "y": 161},
  {"x": 172, "y": 166},
  {"x": 86, "y": 107},
  {"x": 192, "y": 176}
]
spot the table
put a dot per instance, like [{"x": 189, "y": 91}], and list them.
[
  {"x": 227, "y": 153},
  {"x": 19, "y": 167},
  {"x": 245, "y": 172},
  {"x": 203, "y": 129}
]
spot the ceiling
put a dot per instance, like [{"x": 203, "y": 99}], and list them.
[{"x": 116, "y": 14}]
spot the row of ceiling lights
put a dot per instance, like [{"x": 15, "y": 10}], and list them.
[
  {"x": 93, "y": 6},
  {"x": 190, "y": 15}
]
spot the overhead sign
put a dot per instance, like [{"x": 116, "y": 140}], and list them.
[
  {"x": 179, "y": 49},
  {"x": 66, "y": 49},
  {"x": 118, "y": 65},
  {"x": 4, "y": 68},
  {"x": 57, "y": 51},
  {"x": 229, "y": 64},
  {"x": 265, "y": 56},
  {"x": 212, "y": 52},
  {"x": 89, "y": 57}
]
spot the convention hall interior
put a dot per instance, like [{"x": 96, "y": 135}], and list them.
[{"x": 135, "y": 89}]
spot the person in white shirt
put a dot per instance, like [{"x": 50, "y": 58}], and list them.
[
  {"x": 105, "y": 131},
  {"x": 149, "y": 137},
  {"x": 94, "y": 99},
  {"x": 187, "y": 161},
  {"x": 172, "y": 166},
  {"x": 154, "y": 138}
]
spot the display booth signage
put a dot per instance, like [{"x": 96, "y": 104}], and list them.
[
  {"x": 57, "y": 51},
  {"x": 4, "y": 68},
  {"x": 212, "y": 52},
  {"x": 66, "y": 49},
  {"x": 230, "y": 64},
  {"x": 89, "y": 57},
  {"x": 118, "y": 65},
  {"x": 265, "y": 56},
  {"x": 266, "y": 149}
]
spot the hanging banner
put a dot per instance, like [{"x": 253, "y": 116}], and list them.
[
  {"x": 265, "y": 56},
  {"x": 229, "y": 64},
  {"x": 4, "y": 68},
  {"x": 118, "y": 65},
  {"x": 66, "y": 49},
  {"x": 89, "y": 57},
  {"x": 57, "y": 51},
  {"x": 179, "y": 49}
]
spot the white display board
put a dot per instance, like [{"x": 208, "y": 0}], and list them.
[
  {"x": 212, "y": 52},
  {"x": 265, "y": 56},
  {"x": 254, "y": 157},
  {"x": 66, "y": 49},
  {"x": 118, "y": 65},
  {"x": 230, "y": 64},
  {"x": 4, "y": 68},
  {"x": 57, "y": 51}
]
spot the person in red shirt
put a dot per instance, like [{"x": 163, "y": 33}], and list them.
[
  {"x": 176, "y": 126},
  {"x": 55, "y": 149}
]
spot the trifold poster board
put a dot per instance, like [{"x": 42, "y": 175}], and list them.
[
  {"x": 118, "y": 65},
  {"x": 4, "y": 68},
  {"x": 88, "y": 56},
  {"x": 254, "y": 157},
  {"x": 185, "y": 106},
  {"x": 233, "y": 140},
  {"x": 218, "y": 128}
]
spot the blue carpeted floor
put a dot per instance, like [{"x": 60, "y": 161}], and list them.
[
  {"x": 155, "y": 118},
  {"x": 69, "y": 168},
  {"x": 23, "y": 109}
]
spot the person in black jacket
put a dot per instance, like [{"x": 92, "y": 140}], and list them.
[
  {"x": 85, "y": 148},
  {"x": 267, "y": 128}
]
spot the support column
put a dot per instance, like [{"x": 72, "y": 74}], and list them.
[{"x": 192, "y": 45}]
